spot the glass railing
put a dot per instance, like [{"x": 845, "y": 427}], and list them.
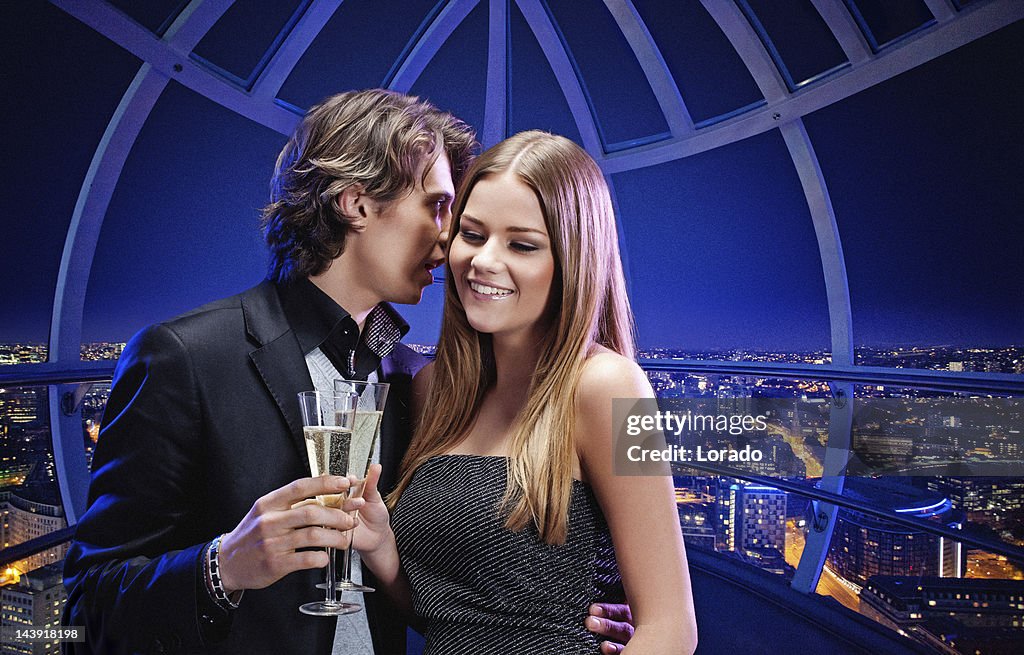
[
  {"x": 36, "y": 401},
  {"x": 905, "y": 549},
  {"x": 895, "y": 542},
  {"x": 30, "y": 499}
]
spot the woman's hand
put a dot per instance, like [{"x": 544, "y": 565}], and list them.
[
  {"x": 376, "y": 544},
  {"x": 374, "y": 527}
]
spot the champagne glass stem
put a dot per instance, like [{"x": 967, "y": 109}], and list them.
[
  {"x": 331, "y": 575},
  {"x": 346, "y": 564}
]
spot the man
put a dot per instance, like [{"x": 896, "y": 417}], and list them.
[{"x": 202, "y": 435}]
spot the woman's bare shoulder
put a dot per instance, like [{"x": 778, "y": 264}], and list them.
[{"x": 608, "y": 374}]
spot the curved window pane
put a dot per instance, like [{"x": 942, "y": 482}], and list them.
[
  {"x": 353, "y": 51},
  {"x": 536, "y": 102},
  {"x": 923, "y": 175},
  {"x": 883, "y": 21},
  {"x": 623, "y": 104},
  {"x": 154, "y": 15},
  {"x": 53, "y": 63},
  {"x": 246, "y": 36},
  {"x": 797, "y": 38},
  {"x": 711, "y": 77},
  {"x": 463, "y": 57},
  {"x": 755, "y": 523},
  {"x": 930, "y": 587},
  {"x": 182, "y": 226},
  {"x": 30, "y": 504},
  {"x": 722, "y": 254}
]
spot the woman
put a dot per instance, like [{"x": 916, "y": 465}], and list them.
[{"x": 507, "y": 509}]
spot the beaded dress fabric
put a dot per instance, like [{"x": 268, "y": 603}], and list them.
[{"x": 486, "y": 589}]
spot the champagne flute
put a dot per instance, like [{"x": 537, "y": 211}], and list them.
[
  {"x": 369, "y": 412},
  {"x": 327, "y": 420}
]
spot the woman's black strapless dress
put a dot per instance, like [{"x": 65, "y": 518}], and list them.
[{"x": 486, "y": 589}]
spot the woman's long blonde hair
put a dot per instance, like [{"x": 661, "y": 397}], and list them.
[{"x": 589, "y": 306}]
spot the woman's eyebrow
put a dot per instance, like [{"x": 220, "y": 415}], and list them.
[
  {"x": 477, "y": 221},
  {"x": 529, "y": 229}
]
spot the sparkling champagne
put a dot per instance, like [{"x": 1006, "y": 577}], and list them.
[
  {"x": 364, "y": 440},
  {"x": 328, "y": 449}
]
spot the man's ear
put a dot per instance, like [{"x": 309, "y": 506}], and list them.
[{"x": 353, "y": 202}]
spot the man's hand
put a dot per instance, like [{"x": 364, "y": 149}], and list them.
[
  {"x": 613, "y": 622},
  {"x": 262, "y": 549}
]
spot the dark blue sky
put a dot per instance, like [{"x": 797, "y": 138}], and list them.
[{"x": 720, "y": 248}]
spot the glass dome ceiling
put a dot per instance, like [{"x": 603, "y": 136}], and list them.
[
  {"x": 752, "y": 151},
  {"x": 831, "y": 179}
]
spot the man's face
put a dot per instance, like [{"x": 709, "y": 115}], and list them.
[{"x": 399, "y": 246}]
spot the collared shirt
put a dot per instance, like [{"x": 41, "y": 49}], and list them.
[
  {"x": 352, "y": 632},
  {"x": 319, "y": 322},
  {"x": 333, "y": 347}
]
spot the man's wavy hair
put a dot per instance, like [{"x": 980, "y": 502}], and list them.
[{"x": 374, "y": 138}]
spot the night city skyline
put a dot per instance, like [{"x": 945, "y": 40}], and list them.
[{"x": 760, "y": 526}]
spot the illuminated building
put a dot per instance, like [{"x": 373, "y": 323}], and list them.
[
  {"x": 980, "y": 494},
  {"x": 752, "y": 518},
  {"x": 761, "y": 518},
  {"x": 862, "y": 546},
  {"x": 20, "y": 404},
  {"x": 28, "y": 518},
  {"x": 969, "y": 615},
  {"x": 37, "y": 601}
]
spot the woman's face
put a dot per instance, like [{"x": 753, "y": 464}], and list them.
[{"x": 502, "y": 260}]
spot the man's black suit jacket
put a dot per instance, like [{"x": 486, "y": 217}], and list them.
[{"x": 203, "y": 420}]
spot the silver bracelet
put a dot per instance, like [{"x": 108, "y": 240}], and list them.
[{"x": 214, "y": 584}]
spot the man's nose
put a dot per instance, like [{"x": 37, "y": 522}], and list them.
[
  {"x": 445, "y": 227},
  {"x": 439, "y": 251}
]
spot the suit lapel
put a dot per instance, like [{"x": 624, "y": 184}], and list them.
[
  {"x": 278, "y": 358},
  {"x": 282, "y": 366}
]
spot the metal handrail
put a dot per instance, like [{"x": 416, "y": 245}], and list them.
[
  {"x": 940, "y": 380},
  {"x": 12, "y": 554},
  {"x": 56, "y": 373},
  {"x": 1014, "y": 553},
  {"x": 998, "y": 383},
  {"x": 982, "y": 383}
]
